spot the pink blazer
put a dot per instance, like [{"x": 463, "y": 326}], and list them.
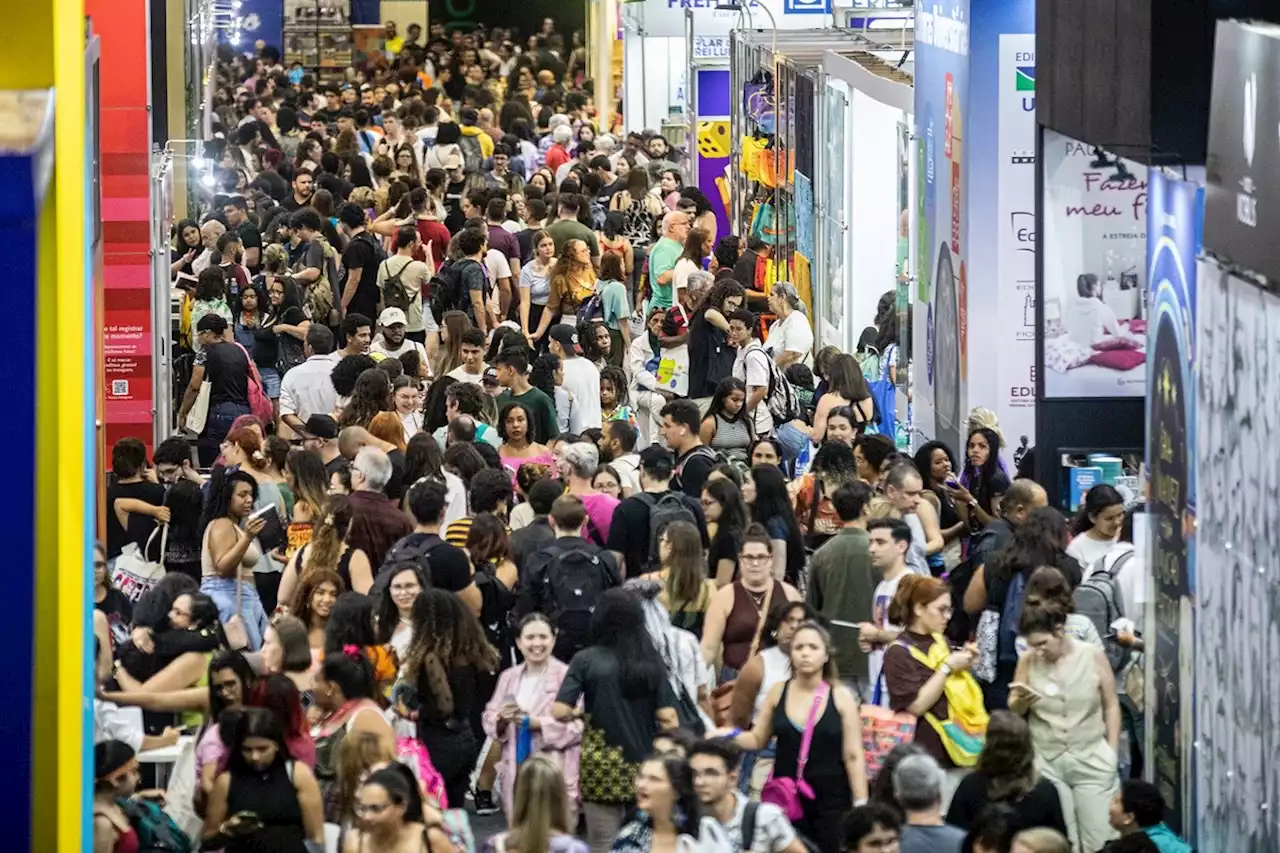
[{"x": 560, "y": 741}]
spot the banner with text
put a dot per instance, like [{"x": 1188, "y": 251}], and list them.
[
  {"x": 939, "y": 339},
  {"x": 1094, "y": 241},
  {"x": 1002, "y": 239}
]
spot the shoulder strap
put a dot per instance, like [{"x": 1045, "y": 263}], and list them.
[
  {"x": 764, "y": 616},
  {"x": 816, "y": 499},
  {"x": 807, "y": 739},
  {"x": 749, "y": 824}
]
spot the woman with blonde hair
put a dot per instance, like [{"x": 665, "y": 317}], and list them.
[
  {"x": 358, "y": 756},
  {"x": 1040, "y": 840},
  {"x": 328, "y": 549},
  {"x": 540, "y": 818}
]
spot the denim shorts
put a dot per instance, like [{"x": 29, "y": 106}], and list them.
[
  {"x": 270, "y": 382},
  {"x": 792, "y": 439},
  {"x": 223, "y": 593}
]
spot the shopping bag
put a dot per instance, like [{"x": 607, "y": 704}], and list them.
[
  {"x": 882, "y": 730},
  {"x": 199, "y": 411},
  {"x": 135, "y": 575},
  {"x": 179, "y": 798}
]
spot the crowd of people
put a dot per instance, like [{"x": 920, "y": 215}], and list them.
[{"x": 488, "y": 489}]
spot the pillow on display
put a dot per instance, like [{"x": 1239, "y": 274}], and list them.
[
  {"x": 1119, "y": 359},
  {"x": 1115, "y": 343},
  {"x": 1061, "y": 354}
]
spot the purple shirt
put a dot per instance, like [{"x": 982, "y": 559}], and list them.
[{"x": 505, "y": 242}]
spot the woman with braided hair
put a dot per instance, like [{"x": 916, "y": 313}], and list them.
[{"x": 441, "y": 678}]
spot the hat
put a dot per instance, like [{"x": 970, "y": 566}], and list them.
[
  {"x": 321, "y": 426},
  {"x": 392, "y": 316},
  {"x": 490, "y": 376},
  {"x": 566, "y": 337}
]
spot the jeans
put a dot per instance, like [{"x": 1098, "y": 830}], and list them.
[
  {"x": 216, "y": 426},
  {"x": 793, "y": 439},
  {"x": 270, "y": 382},
  {"x": 223, "y": 593}
]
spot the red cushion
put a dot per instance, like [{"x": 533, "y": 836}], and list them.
[
  {"x": 1116, "y": 343},
  {"x": 1119, "y": 359}
]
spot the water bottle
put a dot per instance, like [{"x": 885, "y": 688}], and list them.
[{"x": 524, "y": 740}]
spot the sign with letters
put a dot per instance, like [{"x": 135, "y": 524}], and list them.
[{"x": 1242, "y": 179}]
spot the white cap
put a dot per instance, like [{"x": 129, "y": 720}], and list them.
[{"x": 391, "y": 316}]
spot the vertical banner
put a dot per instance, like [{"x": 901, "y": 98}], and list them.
[
  {"x": 1174, "y": 228},
  {"x": 714, "y": 145},
  {"x": 1001, "y": 256},
  {"x": 1095, "y": 243},
  {"x": 941, "y": 98},
  {"x": 124, "y": 125},
  {"x": 1237, "y": 719}
]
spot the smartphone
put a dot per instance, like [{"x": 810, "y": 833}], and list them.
[{"x": 1026, "y": 687}]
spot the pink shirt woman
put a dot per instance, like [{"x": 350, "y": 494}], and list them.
[{"x": 528, "y": 691}]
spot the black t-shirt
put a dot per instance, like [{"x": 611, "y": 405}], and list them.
[
  {"x": 119, "y": 612},
  {"x": 272, "y": 183},
  {"x": 337, "y": 464},
  {"x": 629, "y": 531},
  {"x": 395, "y": 486},
  {"x": 227, "y": 370},
  {"x": 453, "y": 207},
  {"x": 628, "y": 722},
  {"x": 250, "y": 238},
  {"x": 362, "y": 254},
  {"x": 1040, "y": 807},
  {"x": 692, "y": 470},
  {"x": 525, "y": 239},
  {"x": 266, "y": 343},
  {"x": 608, "y": 192},
  {"x": 292, "y": 204},
  {"x": 726, "y": 546},
  {"x": 117, "y": 536},
  {"x": 450, "y": 568}
]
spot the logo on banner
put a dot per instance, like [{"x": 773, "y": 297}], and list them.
[
  {"x": 1025, "y": 78},
  {"x": 1250, "y": 117},
  {"x": 807, "y": 7}
]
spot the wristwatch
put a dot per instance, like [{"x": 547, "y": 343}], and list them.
[{"x": 945, "y": 669}]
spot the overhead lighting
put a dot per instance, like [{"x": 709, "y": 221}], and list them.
[
  {"x": 198, "y": 161},
  {"x": 208, "y": 180}
]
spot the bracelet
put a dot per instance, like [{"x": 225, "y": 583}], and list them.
[
  {"x": 733, "y": 734},
  {"x": 945, "y": 669}
]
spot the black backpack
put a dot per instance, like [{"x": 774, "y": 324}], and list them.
[
  {"x": 573, "y": 577},
  {"x": 961, "y": 627},
  {"x": 447, "y": 290},
  {"x": 414, "y": 548},
  {"x": 662, "y": 511}
]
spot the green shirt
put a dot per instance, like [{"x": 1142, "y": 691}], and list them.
[
  {"x": 564, "y": 230},
  {"x": 542, "y": 410},
  {"x": 662, "y": 260},
  {"x": 613, "y": 295},
  {"x": 842, "y": 586}
]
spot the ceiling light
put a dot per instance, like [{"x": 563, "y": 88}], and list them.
[{"x": 208, "y": 180}]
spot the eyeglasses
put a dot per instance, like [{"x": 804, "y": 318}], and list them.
[
  {"x": 402, "y": 589},
  {"x": 755, "y": 558},
  {"x": 371, "y": 808}
]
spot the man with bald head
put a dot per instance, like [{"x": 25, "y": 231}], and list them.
[{"x": 663, "y": 257}]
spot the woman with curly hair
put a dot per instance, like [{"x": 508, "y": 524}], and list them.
[
  {"x": 573, "y": 281},
  {"x": 447, "y": 662},
  {"x": 710, "y": 355},
  {"x": 313, "y": 602},
  {"x": 371, "y": 396},
  {"x": 328, "y": 550}
]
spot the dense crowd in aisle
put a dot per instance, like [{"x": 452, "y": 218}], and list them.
[{"x": 490, "y": 496}]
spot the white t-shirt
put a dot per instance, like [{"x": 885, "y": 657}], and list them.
[
  {"x": 379, "y": 345},
  {"x": 582, "y": 381},
  {"x": 498, "y": 267},
  {"x": 791, "y": 335},
  {"x": 885, "y": 591},
  {"x": 752, "y": 367},
  {"x": 460, "y": 374},
  {"x": 680, "y": 275},
  {"x": 1088, "y": 551},
  {"x": 414, "y": 276}
]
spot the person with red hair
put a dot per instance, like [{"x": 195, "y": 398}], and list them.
[{"x": 244, "y": 449}]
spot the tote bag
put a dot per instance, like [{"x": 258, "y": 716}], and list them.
[
  {"x": 882, "y": 730},
  {"x": 135, "y": 575},
  {"x": 199, "y": 411}
]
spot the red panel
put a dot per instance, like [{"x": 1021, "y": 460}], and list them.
[
  {"x": 125, "y": 130},
  {"x": 122, "y": 26},
  {"x": 126, "y": 186}
]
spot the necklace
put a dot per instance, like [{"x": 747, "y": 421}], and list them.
[{"x": 757, "y": 599}]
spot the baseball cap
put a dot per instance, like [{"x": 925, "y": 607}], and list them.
[
  {"x": 392, "y": 316},
  {"x": 490, "y": 376},
  {"x": 321, "y": 426},
  {"x": 566, "y": 337}
]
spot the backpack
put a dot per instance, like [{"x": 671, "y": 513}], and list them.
[
  {"x": 702, "y": 450},
  {"x": 781, "y": 398},
  {"x": 157, "y": 831},
  {"x": 869, "y": 361},
  {"x": 1099, "y": 597},
  {"x": 662, "y": 511},
  {"x": 413, "y": 548},
  {"x": 1010, "y": 614},
  {"x": 319, "y": 300},
  {"x": 394, "y": 294},
  {"x": 447, "y": 290},
  {"x": 962, "y": 625},
  {"x": 573, "y": 580},
  {"x": 592, "y": 309},
  {"x": 472, "y": 155}
]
